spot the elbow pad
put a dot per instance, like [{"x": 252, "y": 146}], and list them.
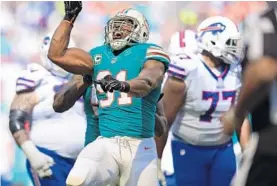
[{"x": 19, "y": 120}]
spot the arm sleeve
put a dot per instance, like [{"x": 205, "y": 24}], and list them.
[
  {"x": 158, "y": 54},
  {"x": 180, "y": 67},
  {"x": 29, "y": 79}
]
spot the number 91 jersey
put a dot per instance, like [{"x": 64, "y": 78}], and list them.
[
  {"x": 209, "y": 94},
  {"x": 120, "y": 114}
]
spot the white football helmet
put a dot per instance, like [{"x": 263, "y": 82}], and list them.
[
  {"x": 126, "y": 28},
  {"x": 49, "y": 65},
  {"x": 221, "y": 37},
  {"x": 181, "y": 41}
]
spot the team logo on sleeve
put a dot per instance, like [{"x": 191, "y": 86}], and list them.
[{"x": 97, "y": 59}]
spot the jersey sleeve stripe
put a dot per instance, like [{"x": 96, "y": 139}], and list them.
[
  {"x": 24, "y": 79},
  {"x": 156, "y": 50},
  {"x": 23, "y": 87},
  {"x": 177, "y": 71},
  {"x": 155, "y": 47},
  {"x": 158, "y": 54},
  {"x": 176, "y": 67},
  {"x": 25, "y": 82},
  {"x": 176, "y": 75}
]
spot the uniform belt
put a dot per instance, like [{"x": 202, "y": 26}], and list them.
[{"x": 177, "y": 138}]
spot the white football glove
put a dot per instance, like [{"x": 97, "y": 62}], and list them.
[
  {"x": 161, "y": 176},
  {"x": 39, "y": 161}
]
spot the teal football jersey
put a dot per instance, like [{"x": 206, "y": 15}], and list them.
[
  {"x": 120, "y": 114},
  {"x": 92, "y": 131}
]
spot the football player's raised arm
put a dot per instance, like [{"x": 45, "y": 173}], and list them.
[
  {"x": 20, "y": 115},
  {"x": 69, "y": 94},
  {"x": 73, "y": 60},
  {"x": 174, "y": 97},
  {"x": 149, "y": 78}
]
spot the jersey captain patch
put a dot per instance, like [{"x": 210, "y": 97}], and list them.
[{"x": 97, "y": 59}]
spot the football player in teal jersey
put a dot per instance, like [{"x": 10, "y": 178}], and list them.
[
  {"x": 71, "y": 92},
  {"x": 129, "y": 73}
]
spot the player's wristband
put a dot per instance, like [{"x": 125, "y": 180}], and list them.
[
  {"x": 125, "y": 87},
  {"x": 87, "y": 79}
]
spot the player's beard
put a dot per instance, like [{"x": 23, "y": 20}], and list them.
[{"x": 216, "y": 60}]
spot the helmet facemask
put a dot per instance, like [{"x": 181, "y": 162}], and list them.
[
  {"x": 233, "y": 51},
  {"x": 229, "y": 50},
  {"x": 122, "y": 31}
]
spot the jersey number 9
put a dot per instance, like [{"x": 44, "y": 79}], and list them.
[{"x": 123, "y": 98}]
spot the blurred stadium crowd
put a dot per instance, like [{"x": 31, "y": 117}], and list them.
[{"x": 24, "y": 24}]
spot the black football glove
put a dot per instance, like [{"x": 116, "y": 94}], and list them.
[
  {"x": 108, "y": 83},
  {"x": 72, "y": 9}
]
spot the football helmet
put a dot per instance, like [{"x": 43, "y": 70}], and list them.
[
  {"x": 183, "y": 41},
  {"x": 221, "y": 37},
  {"x": 126, "y": 28},
  {"x": 47, "y": 63}
]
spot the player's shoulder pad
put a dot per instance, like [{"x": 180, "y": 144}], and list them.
[
  {"x": 98, "y": 49},
  {"x": 30, "y": 78},
  {"x": 174, "y": 44},
  {"x": 181, "y": 40},
  {"x": 155, "y": 52},
  {"x": 97, "y": 52},
  {"x": 175, "y": 38},
  {"x": 181, "y": 66}
]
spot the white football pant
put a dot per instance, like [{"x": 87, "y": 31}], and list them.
[{"x": 123, "y": 161}]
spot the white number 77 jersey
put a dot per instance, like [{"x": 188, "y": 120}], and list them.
[{"x": 208, "y": 96}]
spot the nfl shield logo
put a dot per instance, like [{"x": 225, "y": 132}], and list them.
[{"x": 113, "y": 60}]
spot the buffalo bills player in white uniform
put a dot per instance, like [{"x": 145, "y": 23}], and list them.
[
  {"x": 50, "y": 141},
  {"x": 180, "y": 43},
  {"x": 184, "y": 43},
  {"x": 204, "y": 86}
]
